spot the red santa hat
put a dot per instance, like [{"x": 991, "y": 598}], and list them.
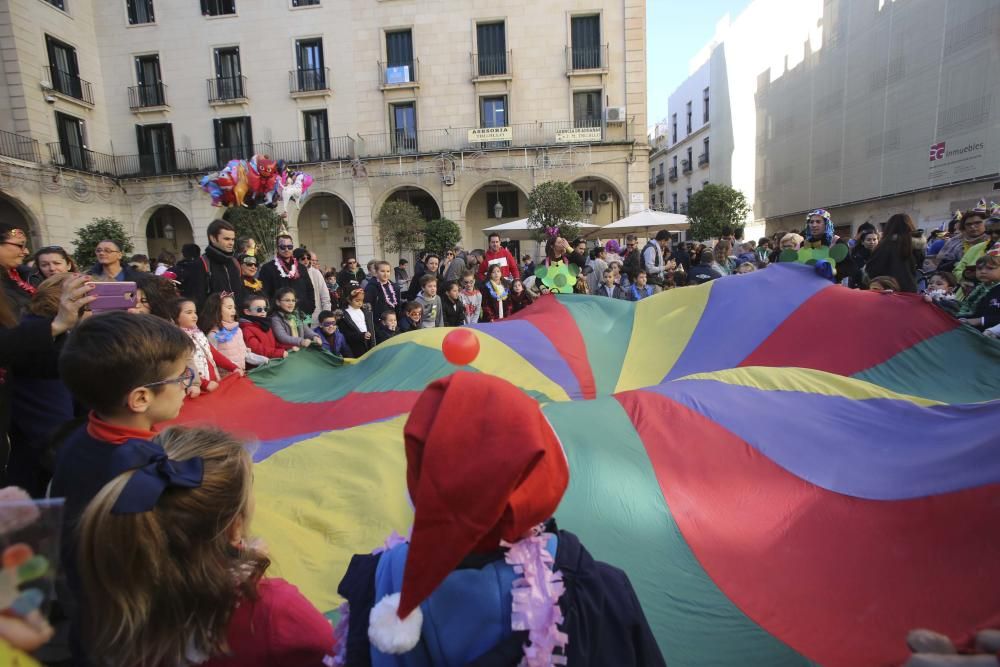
[{"x": 474, "y": 481}]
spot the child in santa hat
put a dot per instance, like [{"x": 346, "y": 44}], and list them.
[{"x": 487, "y": 578}]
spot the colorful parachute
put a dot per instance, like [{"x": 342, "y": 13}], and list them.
[{"x": 790, "y": 472}]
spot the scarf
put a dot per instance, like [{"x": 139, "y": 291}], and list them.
[
  {"x": 202, "y": 355},
  {"x": 22, "y": 284},
  {"x": 294, "y": 323},
  {"x": 972, "y": 301},
  {"x": 226, "y": 332},
  {"x": 253, "y": 284},
  {"x": 291, "y": 273},
  {"x": 499, "y": 297},
  {"x": 263, "y": 322},
  {"x": 99, "y": 429}
]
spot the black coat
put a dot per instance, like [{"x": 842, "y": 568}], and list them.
[
  {"x": 454, "y": 313},
  {"x": 354, "y": 336},
  {"x": 889, "y": 263},
  {"x": 375, "y": 296},
  {"x": 304, "y": 292},
  {"x": 223, "y": 275},
  {"x": 603, "y": 618}
]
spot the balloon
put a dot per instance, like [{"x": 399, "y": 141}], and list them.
[{"x": 460, "y": 347}]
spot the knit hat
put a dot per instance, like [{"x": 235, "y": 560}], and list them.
[{"x": 469, "y": 494}]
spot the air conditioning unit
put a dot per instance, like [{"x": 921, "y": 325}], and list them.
[
  {"x": 614, "y": 115},
  {"x": 448, "y": 179},
  {"x": 604, "y": 198}
]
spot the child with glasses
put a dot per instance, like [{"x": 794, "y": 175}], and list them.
[
  {"x": 472, "y": 299},
  {"x": 413, "y": 317},
  {"x": 131, "y": 371},
  {"x": 219, "y": 322},
  {"x": 206, "y": 359},
  {"x": 332, "y": 340},
  {"x": 289, "y": 324},
  {"x": 256, "y": 327}
]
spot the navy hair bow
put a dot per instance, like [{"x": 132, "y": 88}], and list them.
[{"x": 154, "y": 473}]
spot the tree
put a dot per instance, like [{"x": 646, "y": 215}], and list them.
[
  {"x": 441, "y": 235},
  {"x": 401, "y": 226},
  {"x": 261, "y": 224},
  {"x": 554, "y": 204},
  {"x": 715, "y": 208},
  {"x": 101, "y": 229}
]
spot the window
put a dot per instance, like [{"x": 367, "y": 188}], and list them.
[
  {"x": 689, "y": 194},
  {"x": 140, "y": 11},
  {"x": 228, "y": 75},
  {"x": 673, "y": 201},
  {"x": 147, "y": 75},
  {"x": 507, "y": 199},
  {"x": 491, "y": 40},
  {"x": 688, "y": 162},
  {"x": 317, "y": 135},
  {"x": 493, "y": 113},
  {"x": 585, "y": 32},
  {"x": 404, "y": 127},
  {"x": 233, "y": 139},
  {"x": 64, "y": 69},
  {"x": 72, "y": 143},
  {"x": 305, "y": 3},
  {"x": 310, "y": 73},
  {"x": 587, "y": 109},
  {"x": 58, "y": 4},
  {"x": 703, "y": 159},
  {"x": 218, "y": 7},
  {"x": 689, "y": 118},
  {"x": 399, "y": 56},
  {"x": 704, "y": 99},
  {"x": 675, "y": 163},
  {"x": 156, "y": 149},
  {"x": 674, "y": 131},
  {"x": 652, "y": 200},
  {"x": 661, "y": 169}
]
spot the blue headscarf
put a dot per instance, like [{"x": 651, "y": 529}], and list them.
[{"x": 827, "y": 230}]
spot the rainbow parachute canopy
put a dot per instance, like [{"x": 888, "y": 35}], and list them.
[{"x": 790, "y": 472}]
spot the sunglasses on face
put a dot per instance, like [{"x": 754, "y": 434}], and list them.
[
  {"x": 249, "y": 263},
  {"x": 286, "y": 247},
  {"x": 257, "y": 309},
  {"x": 328, "y": 325}
]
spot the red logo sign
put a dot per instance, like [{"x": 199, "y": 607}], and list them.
[{"x": 937, "y": 151}]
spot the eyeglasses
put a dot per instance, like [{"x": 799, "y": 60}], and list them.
[
  {"x": 258, "y": 309},
  {"x": 185, "y": 379},
  {"x": 286, "y": 247},
  {"x": 327, "y": 325},
  {"x": 22, "y": 246}
]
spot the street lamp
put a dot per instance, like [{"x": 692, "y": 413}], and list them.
[
  {"x": 588, "y": 207},
  {"x": 324, "y": 221},
  {"x": 168, "y": 232},
  {"x": 498, "y": 209}
]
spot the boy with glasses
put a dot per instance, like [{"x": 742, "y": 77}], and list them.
[
  {"x": 256, "y": 326},
  {"x": 333, "y": 340}
]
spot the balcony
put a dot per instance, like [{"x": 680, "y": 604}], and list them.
[
  {"x": 652, "y": 182},
  {"x": 19, "y": 147},
  {"x": 399, "y": 75},
  {"x": 703, "y": 159},
  {"x": 659, "y": 178},
  {"x": 673, "y": 174},
  {"x": 686, "y": 166},
  {"x": 82, "y": 159},
  {"x": 586, "y": 60},
  {"x": 487, "y": 66},
  {"x": 227, "y": 90},
  {"x": 309, "y": 82},
  {"x": 151, "y": 97},
  {"x": 68, "y": 85}
]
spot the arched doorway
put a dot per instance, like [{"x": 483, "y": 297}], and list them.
[
  {"x": 494, "y": 203},
  {"x": 326, "y": 227},
  {"x": 608, "y": 205},
  {"x": 167, "y": 229},
  {"x": 429, "y": 209},
  {"x": 17, "y": 214}
]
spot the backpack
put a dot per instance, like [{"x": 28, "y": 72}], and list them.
[{"x": 208, "y": 273}]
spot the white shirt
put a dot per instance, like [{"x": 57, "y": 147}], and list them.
[{"x": 358, "y": 316}]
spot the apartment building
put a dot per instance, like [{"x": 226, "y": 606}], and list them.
[{"x": 117, "y": 109}]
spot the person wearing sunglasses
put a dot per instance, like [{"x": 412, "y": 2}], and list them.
[
  {"x": 256, "y": 327},
  {"x": 248, "y": 269},
  {"x": 351, "y": 272},
  {"x": 286, "y": 271}
]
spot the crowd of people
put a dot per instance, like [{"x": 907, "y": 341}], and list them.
[{"x": 80, "y": 411}]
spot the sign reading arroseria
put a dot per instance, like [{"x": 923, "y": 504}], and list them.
[
  {"x": 480, "y": 135},
  {"x": 956, "y": 158}
]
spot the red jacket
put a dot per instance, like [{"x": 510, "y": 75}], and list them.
[
  {"x": 508, "y": 266},
  {"x": 261, "y": 342}
]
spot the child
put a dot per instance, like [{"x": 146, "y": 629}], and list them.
[
  {"x": 382, "y": 293},
  {"x": 131, "y": 371},
  {"x": 414, "y": 317},
  {"x": 745, "y": 267},
  {"x": 430, "y": 301},
  {"x": 884, "y": 284},
  {"x": 484, "y": 547},
  {"x": 941, "y": 285},
  {"x": 981, "y": 309},
  {"x": 218, "y": 320},
  {"x": 386, "y": 327},
  {"x": 472, "y": 299},
  {"x": 256, "y": 328},
  {"x": 519, "y": 297},
  {"x": 170, "y": 574},
  {"x": 495, "y": 295},
  {"x": 640, "y": 290},
  {"x": 608, "y": 287},
  {"x": 288, "y": 323},
  {"x": 451, "y": 304},
  {"x": 205, "y": 359},
  {"x": 332, "y": 340}
]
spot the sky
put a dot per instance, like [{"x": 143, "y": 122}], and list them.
[{"x": 676, "y": 30}]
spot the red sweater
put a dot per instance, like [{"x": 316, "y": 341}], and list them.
[
  {"x": 261, "y": 342},
  {"x": 280, "y": 628},
  {"x": 508, "y": 266}
]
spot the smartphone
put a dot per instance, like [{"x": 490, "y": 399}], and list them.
[{"x": 112, "y": 296}]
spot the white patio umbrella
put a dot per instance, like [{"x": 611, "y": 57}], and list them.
[
  {"x": 649, "y": 221},
  {"x": 518, "y": 230}
]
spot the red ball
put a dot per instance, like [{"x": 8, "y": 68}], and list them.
[{"x": 460, "y": 347}]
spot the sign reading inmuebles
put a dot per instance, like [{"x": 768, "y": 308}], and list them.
[
  {"x": 480, "y": 135},
  {"x": 579, "y": 135}
]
